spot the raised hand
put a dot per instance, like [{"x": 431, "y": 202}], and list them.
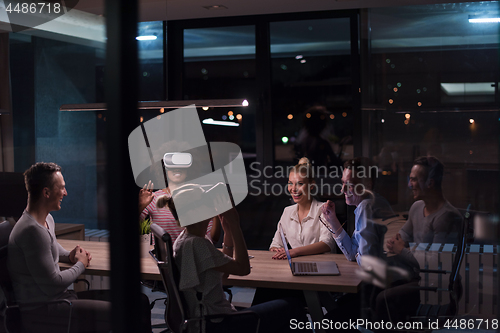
[
  {"x": 146, "y": 196},
  {"x": 328, "y": 210},
  {"x": 230, "y": 216}
]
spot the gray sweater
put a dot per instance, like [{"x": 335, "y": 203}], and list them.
[
  {"x": 439, "y": 227},
  {"x": 33, "y": 259}
]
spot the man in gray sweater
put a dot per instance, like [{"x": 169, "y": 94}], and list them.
[
  {"x": 33, "y": 258},
  {"x": 431, "y": 219}
]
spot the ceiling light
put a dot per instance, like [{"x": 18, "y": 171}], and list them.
[
  {"x": 215, "y": 7},
  {"x": 146, "y": 37},
  {"x": 468, "y": 88},
  {"x": 221, "y": 103},
  {"x": 479, "y": 19},
  {"x": 210, "y": 121}
]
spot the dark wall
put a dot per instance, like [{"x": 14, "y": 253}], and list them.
[
  {"x": 23, "y": 106},
  {"x": 65, "y": 74}
]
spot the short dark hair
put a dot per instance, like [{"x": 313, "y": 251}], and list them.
[
  {"x": 433, "y": 167},
  {"x": 39, "y": 176},
  {"x": 362, "y": 168}
]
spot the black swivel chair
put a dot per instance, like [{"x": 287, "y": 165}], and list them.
[
  {"x": 176, "y": 312},
  {"x": 449, "y": 310},
  {"x": 432, "y": 313},
  {"x": 12, "y": 315},
  {"x": 5, "y": 229}
]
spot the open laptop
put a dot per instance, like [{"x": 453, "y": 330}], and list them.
[{"x": 309, "y": 267}]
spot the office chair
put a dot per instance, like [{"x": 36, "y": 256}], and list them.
[
  {"x": 12, "y": 315},
  {"x": 427, "y": 313},
  {"x": 5, "y": 229},
  {"x": 443, "y": 312},
  {"x": 176, "y": 311}
]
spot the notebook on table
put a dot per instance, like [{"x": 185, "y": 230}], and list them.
[{"x": 309, "y": 267}]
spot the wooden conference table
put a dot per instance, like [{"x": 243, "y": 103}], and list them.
[
  {"x": 70, "y": 231},
  {"x": 266, "y": 272}
]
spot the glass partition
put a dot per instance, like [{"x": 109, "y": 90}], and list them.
[
  {"x": 434, "y": 91},
  {"x": 219, "y": 63},
  {"x": 50, "y": 69},
  {"x": 311, "y": 67},
  {"x": 150, "y": 41}
]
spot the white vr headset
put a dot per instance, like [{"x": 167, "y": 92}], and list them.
[{"x": 177, "y": 160}]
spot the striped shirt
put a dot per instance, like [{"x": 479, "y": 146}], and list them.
[{"x": 164, "y": 218}]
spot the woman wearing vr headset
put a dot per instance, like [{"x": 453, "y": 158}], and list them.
[
  {"x": 202, "y": 268},
  {"x": 163, "y": 216}
]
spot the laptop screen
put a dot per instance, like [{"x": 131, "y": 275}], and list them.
[{"x": 285, "y": 246}]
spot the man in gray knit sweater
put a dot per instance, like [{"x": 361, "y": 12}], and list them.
[
  {"x": 33, "y": 259},
  {"x": 431, "y": 219}
]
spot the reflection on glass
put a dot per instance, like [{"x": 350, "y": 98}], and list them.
[
  {"x": 151, "y": 73},
  {"x": 219, "y": 63},
  {"x": 311, "y": 67},
  {"x": 434, "y": 56}
]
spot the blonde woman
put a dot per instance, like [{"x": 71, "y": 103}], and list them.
[{"x": 300, "y": 222}]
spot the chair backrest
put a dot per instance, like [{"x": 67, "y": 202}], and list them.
[
  {"x": 5, "y": 229},
  {"x": 175, "y": 314},
  {"x": 454, "y": 283},
  {"x": 5, "y": 281},
  {"x": 12, "y": 316},
  {"x": 13, "y": 195}
]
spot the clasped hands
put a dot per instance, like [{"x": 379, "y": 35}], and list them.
[
  {"x": 80, "y": 254},
  {"x": 281, "y": 253},
  {"x": 396, "y": 244},
  {"x": 328, "y": 211}
]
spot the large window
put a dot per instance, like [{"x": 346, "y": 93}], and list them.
[
  {"x": 151, "y": 70},
  {"x": 219, "y": 63},
  {"x": 434, "y": 91},
  {"x": 45, "y": 77},
  {"x": 311, "y": 67}
]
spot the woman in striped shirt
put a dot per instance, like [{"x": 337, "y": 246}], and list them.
[{"x": 162, "y": 216}]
